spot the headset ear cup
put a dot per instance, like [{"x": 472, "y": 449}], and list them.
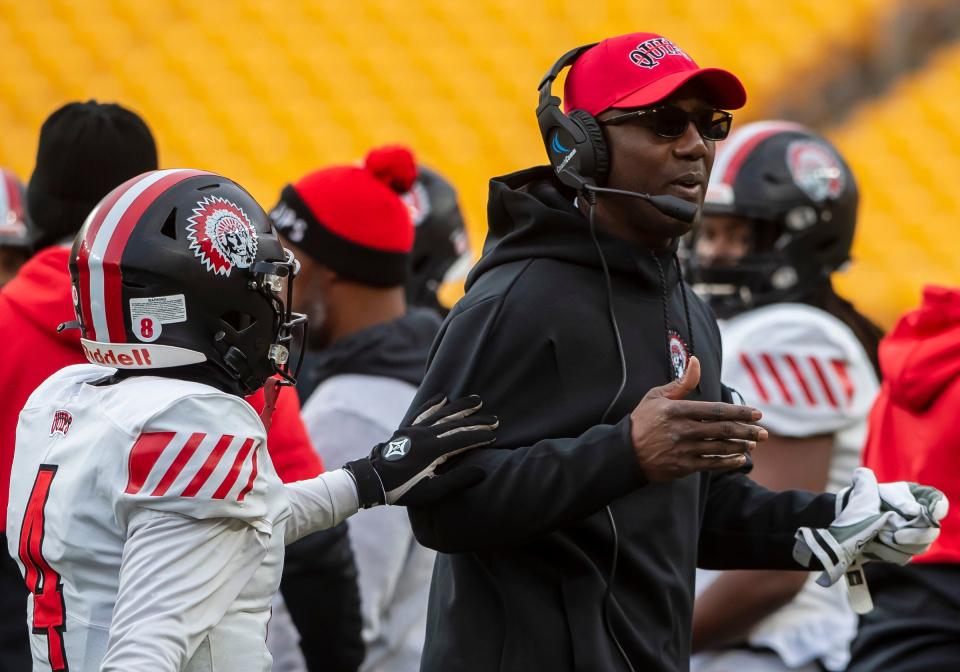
[{"x": 598, "y": 144}]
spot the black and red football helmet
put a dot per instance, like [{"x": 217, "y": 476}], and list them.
[
  {"x": 179, "y": 267},
  {"x": 441, "y": 249},
  {"x": 800, "y": 198}
]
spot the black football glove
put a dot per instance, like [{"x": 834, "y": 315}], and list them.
[{"x": 441, "y": 430}]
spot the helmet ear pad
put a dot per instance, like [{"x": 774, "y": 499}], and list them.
[{"x": 597, "y": 141}]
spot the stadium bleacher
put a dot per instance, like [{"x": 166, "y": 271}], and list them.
[{"x": 265, "y": 91}]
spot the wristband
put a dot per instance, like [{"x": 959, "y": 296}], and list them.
[{"x": 369, "y": 486}]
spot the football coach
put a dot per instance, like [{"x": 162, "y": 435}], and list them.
[{"x": 618, "y": 468}]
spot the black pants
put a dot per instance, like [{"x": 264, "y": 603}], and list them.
[
  {"x": 14, "y": 638},
  {"x": 915, "y": 624}
]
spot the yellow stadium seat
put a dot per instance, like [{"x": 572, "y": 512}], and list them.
[{"x": 265, "y": 91}]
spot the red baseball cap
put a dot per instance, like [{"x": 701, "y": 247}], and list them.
[{"x": 641, "y": 69}]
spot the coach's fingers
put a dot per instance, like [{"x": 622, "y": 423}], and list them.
[
  {"x": 678, "y": 389},
  {"x": 720, "y": 463},
  {"x": 713, "y": 411},
  {"x": 727, "y": 429},
  {"x": 715, "y": 449}
]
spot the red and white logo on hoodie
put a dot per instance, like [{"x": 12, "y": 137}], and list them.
[
  {"x": 221, "y": 235},
  {"x": 679, "y": 354}
]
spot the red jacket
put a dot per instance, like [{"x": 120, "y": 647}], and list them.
[
  {"x": 31, "y": 307},
  {"x": 913, "y": 425}
]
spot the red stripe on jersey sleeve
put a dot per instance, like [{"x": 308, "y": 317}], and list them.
[
  {"x": 189, "y": 448},
  {"x": 234, "y": 472},
  {"x": 213, "y": 459},
  {"x": 840, "y": 368},
  {"x": 145, "y": 453},
  {"x": 801, "y": 380},
  {"x": 748, "y": 365},
  {"x": 253, "y": 475},
  {"x": 824, "y": 383},
  {"x": 772, "y": 368}
]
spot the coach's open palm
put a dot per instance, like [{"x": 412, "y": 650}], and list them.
[
  {"x": 402, "y": 470},
  {"x": 673, "y": 437}
]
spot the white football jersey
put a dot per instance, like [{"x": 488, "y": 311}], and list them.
[
  {"x": 809, "y": 375},
  {"x": 149, "y": 524}
]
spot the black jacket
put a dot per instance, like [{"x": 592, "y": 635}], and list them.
[{"x": 526, "y": 554}]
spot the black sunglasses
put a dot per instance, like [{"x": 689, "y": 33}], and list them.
[{"x": 669, "y": 121}]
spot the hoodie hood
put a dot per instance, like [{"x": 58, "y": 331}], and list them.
[
  {"x": 532, "y": 215},
  {"x": 921, "y": 356},
  {"x": 40, "y": 293}
]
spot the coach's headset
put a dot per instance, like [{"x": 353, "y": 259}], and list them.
[{"x": 578, "y": 150}]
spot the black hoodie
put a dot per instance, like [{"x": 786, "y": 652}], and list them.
[{"x": 521, "y": 581}]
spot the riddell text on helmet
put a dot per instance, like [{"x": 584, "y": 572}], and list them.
[{"x": 137, "y": 357}]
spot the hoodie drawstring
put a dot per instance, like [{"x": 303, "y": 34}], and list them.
[
  {"x": 686, "y": 303},
  {"x": 665, "y": 305}
]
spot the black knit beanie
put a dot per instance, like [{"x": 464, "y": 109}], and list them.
[{"x": 85, "y": 150}]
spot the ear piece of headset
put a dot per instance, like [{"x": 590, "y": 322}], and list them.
[
  {"x": 598, "y": 142},
  {"x": 575, "y": 144}
]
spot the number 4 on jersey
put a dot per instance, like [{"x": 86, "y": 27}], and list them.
[{"x": 49, "y": 612}]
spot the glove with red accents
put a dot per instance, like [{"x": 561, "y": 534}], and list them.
[{"x": 403, "y": 469}]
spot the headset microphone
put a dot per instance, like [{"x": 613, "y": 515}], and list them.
[{"x": 671, "y": 206}]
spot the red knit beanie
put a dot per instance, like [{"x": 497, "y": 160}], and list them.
[{"x": 351, "y": 219}]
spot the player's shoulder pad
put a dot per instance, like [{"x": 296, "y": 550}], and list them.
[
  {"x": 197, "y": 452},
  {"x": 801, "y": 366},
  {"x": 63, "y": 385}
]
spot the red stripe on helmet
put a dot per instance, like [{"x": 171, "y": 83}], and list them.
[
  {"x": 112, "y": 282},
  {"x": 742, "y": 152},
  {"x": 83, "y": 254},
  {"x": 739, "y": 146}
]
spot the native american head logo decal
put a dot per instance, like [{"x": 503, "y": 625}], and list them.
[
  {"x": 221, "y": 235},
  {"x": 679, "y": 354},
  {"x": 815, "y": 170}
]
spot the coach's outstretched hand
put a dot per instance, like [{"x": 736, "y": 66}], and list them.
[
  {"x": 403, "y": 469},
  {"x": 673, "y": 437}
]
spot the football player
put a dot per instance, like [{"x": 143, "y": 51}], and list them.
[
  {"x": 778, "y": 220},
  {"x": 144, "y": 510}
]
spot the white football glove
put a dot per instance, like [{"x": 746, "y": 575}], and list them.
[{"x": 891, "y": 522}]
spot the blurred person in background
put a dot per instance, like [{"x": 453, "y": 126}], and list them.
[
  {"x": 441, "y": 248},
  {"x": 778, "y": 220},
  {"x": 85, "y": 150},
  {"x": 367, "y": 353},
  {"x": 16, "y": 245},
  {"x": 915, "y": 624}
]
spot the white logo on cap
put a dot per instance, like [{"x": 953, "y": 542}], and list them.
[{"x": 648, "y": 54}]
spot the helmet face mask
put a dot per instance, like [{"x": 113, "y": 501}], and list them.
[
  {"x": 181, "y": 267},
  {"x": 800, "y": 200}
]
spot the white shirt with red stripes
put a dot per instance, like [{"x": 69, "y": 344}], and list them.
[
  {"x": 149, "y": 524},
  {"x": 810, "y": 375}
]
